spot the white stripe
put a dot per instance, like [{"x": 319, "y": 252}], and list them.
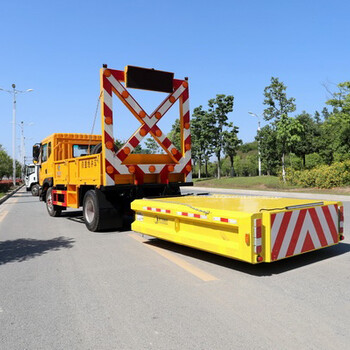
[
  {"x": 189, "y": 177},
  {"x": 109, "y": 129},
  {"x": 107, "y": 99},
  {"x": 288, "y": 236},
  {"x": 185, "y": 106},
  {"x": 187, "y": 133},
  {"x": 165, "y": 107},
  {"x": 275, "y": 228},
  {"x": 308, "y": 226},
  {"x": 133, "y": 104},
  {"x": 324, "y": 225},
  {"x": 334, "y": 214},
  {"x": 109, "y": 180},
  {"x": 257, "y": 242}
]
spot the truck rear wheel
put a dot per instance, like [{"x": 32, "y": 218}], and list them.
[
  {"x": 100, "y": 213},
  {"x": 53, "y": 210},
  {"x": 35, "y": 190}
]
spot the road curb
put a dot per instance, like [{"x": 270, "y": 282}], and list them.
[
  {"x": 7, "y": 196},
  {"x": 248, "y": 192}
]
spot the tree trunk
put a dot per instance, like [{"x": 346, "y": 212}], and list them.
[
  {"x": 232, "y": 171},
  {"x": 206, "y": 168},
  {"x": 219, "y": 168},
  {"x": 304, "y": 160},
  {"x": 199, "y": 167},
  {"x": 283, "y": 169}
]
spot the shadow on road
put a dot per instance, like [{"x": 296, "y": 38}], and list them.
[
  {"x": 24, "y": 249},
  {"x": 259, "y": 270}
]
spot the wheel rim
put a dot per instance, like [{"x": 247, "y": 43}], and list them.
[
  {"x": 89, "y": 211},
  {"x": 49, "y": 202},
  {"x": 35, "y": 190}
]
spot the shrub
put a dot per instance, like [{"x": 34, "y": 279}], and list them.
[{"x": 322, "y": 176}]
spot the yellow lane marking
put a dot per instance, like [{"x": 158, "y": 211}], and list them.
[
  {"x": 3, "y": 214},
  {"x": 204, "y": 276}
]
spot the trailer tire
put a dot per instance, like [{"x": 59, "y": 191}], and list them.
[
  {"x": 53, "y": 210},
  {"x": 35, "y": 190}
]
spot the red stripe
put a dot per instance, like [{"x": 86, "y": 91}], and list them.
[
  {"x": 177, "y": 83},
  {"x": 139, "y": 174},
  {"x": 318, "y": 227},
  {"x": 273, "y": 217},
  {"x": 184, "y": 170},
  {"x": 330, "y": 223},
  {"x": 158, "y": 210},
  {"x": 197, "y": 216},
  {"x": 296, "y": 232},
  {"x": 184, "y": 214},
  {"x": 118, "y": 74},
  {"x": 258, "y": 249},
  {"x": 280, "y": 236},
  {"x": 107, "y": 85},
  {"x": 223, "y": 219},
  {"x": 258, "y": 228},
  {"x": 166, "y": 142},
  {"x": 167, "y": 211},
  {"x": 107, "y": 111},
  {"x": 108, "y": 138},
  {"x": 188, "y": 140},
  {"x": 134, "y": 141}
]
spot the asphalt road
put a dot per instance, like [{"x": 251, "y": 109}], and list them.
[{"x": 63, "y": 287}]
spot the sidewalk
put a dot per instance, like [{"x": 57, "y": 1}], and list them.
[{"x": 269, "y": 193}]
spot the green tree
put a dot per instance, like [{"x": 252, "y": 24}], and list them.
[
  {"x": 5, "y": 163},
  {"x": 202, "y": 134},
  {"x": 338, "y": 123},
  {"x": 152, "y": 145},
  {"x": 175, "y": 134},
  {"x": 219, "y": 108},
  {"x": 278, "y": 108},
  {"x": 309, "y": 136},
  {"x": 270, "y": 155},
  {"x": 231, "y": 143}
]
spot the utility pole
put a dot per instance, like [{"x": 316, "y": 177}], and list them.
[
  {"x": 254, "y": 115},
  {"x": 14, "y": 92}
]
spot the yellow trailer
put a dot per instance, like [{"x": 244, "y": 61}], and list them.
[{"x": 251, "y": 229}]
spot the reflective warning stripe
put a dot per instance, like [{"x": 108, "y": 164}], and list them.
[
  {"x": 257, "y": 236},
  {"x": 341, "y": 219},
  {"x": 55, "y": 194},
  {"x": 299, "y": 231},
  {"x": 158, "y": 210},
  {"x": 192, "y": 215},
  {"x": 231, "y": 221}
]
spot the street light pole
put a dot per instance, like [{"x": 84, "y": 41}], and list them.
[
  {"x": 14, "y": 92},
  {"x": 259, "y": 154}
]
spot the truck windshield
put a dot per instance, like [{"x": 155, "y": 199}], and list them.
[
  {"x": 80, "y": 150},
  {"x": 30, "y": 170}
]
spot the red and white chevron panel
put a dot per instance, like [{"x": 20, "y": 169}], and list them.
[
  {"x": 158, "y": 210},
  {"x": 298, "y": 231},
  {"x": 191, "y": 215},
  {"x": 112, "y": 82}
]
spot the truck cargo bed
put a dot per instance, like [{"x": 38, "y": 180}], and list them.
[{"x": 251, "y": 229}]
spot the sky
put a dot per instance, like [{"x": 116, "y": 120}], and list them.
[{"x": 228, "y": 47}]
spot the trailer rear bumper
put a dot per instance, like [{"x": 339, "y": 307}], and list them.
[{"x": 218, "y": 224}]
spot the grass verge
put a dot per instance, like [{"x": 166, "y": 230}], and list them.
[{"x": 266, "y": 183}]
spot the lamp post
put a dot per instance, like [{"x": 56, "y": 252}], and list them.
[
  {"x": 14, "y": 92},
  {"x": 254, "y": 115}
]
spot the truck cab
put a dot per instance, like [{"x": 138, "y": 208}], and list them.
[{"x": 31, "y": 178}]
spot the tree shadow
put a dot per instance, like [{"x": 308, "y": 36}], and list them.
[
  {"x": 24, "y": 249},
  {"x": 259, "y": 270}
]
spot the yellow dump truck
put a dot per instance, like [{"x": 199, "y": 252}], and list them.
[{"x": 112, "y": 185}]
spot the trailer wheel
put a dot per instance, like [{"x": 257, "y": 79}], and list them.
[
  {"x": 91, "y": 211},
  {"x": 35, "y": 190},
  {"x": 53, "y": 210}
]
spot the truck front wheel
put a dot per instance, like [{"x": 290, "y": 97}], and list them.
[
  {"x": 35, "y": 190},
  {"x": 53, "y": 210}
]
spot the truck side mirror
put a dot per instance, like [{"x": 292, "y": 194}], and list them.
[{"x": 36, "y": 152}]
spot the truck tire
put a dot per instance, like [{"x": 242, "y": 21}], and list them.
[
  {"x": 53, "y": 210},
  {"x": 35, "y": 190},
  {"x": 100, "y": 213}
]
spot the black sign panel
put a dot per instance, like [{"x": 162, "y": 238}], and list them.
[{"x": 148, "y": 79}]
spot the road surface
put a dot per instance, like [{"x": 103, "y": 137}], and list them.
[{"x": 63, "y": 287}]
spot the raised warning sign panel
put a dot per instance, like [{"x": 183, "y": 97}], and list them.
[{"x": 148, "y": 79}]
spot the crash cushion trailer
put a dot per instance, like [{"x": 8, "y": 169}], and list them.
[{"x": 251, "y": 229}]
